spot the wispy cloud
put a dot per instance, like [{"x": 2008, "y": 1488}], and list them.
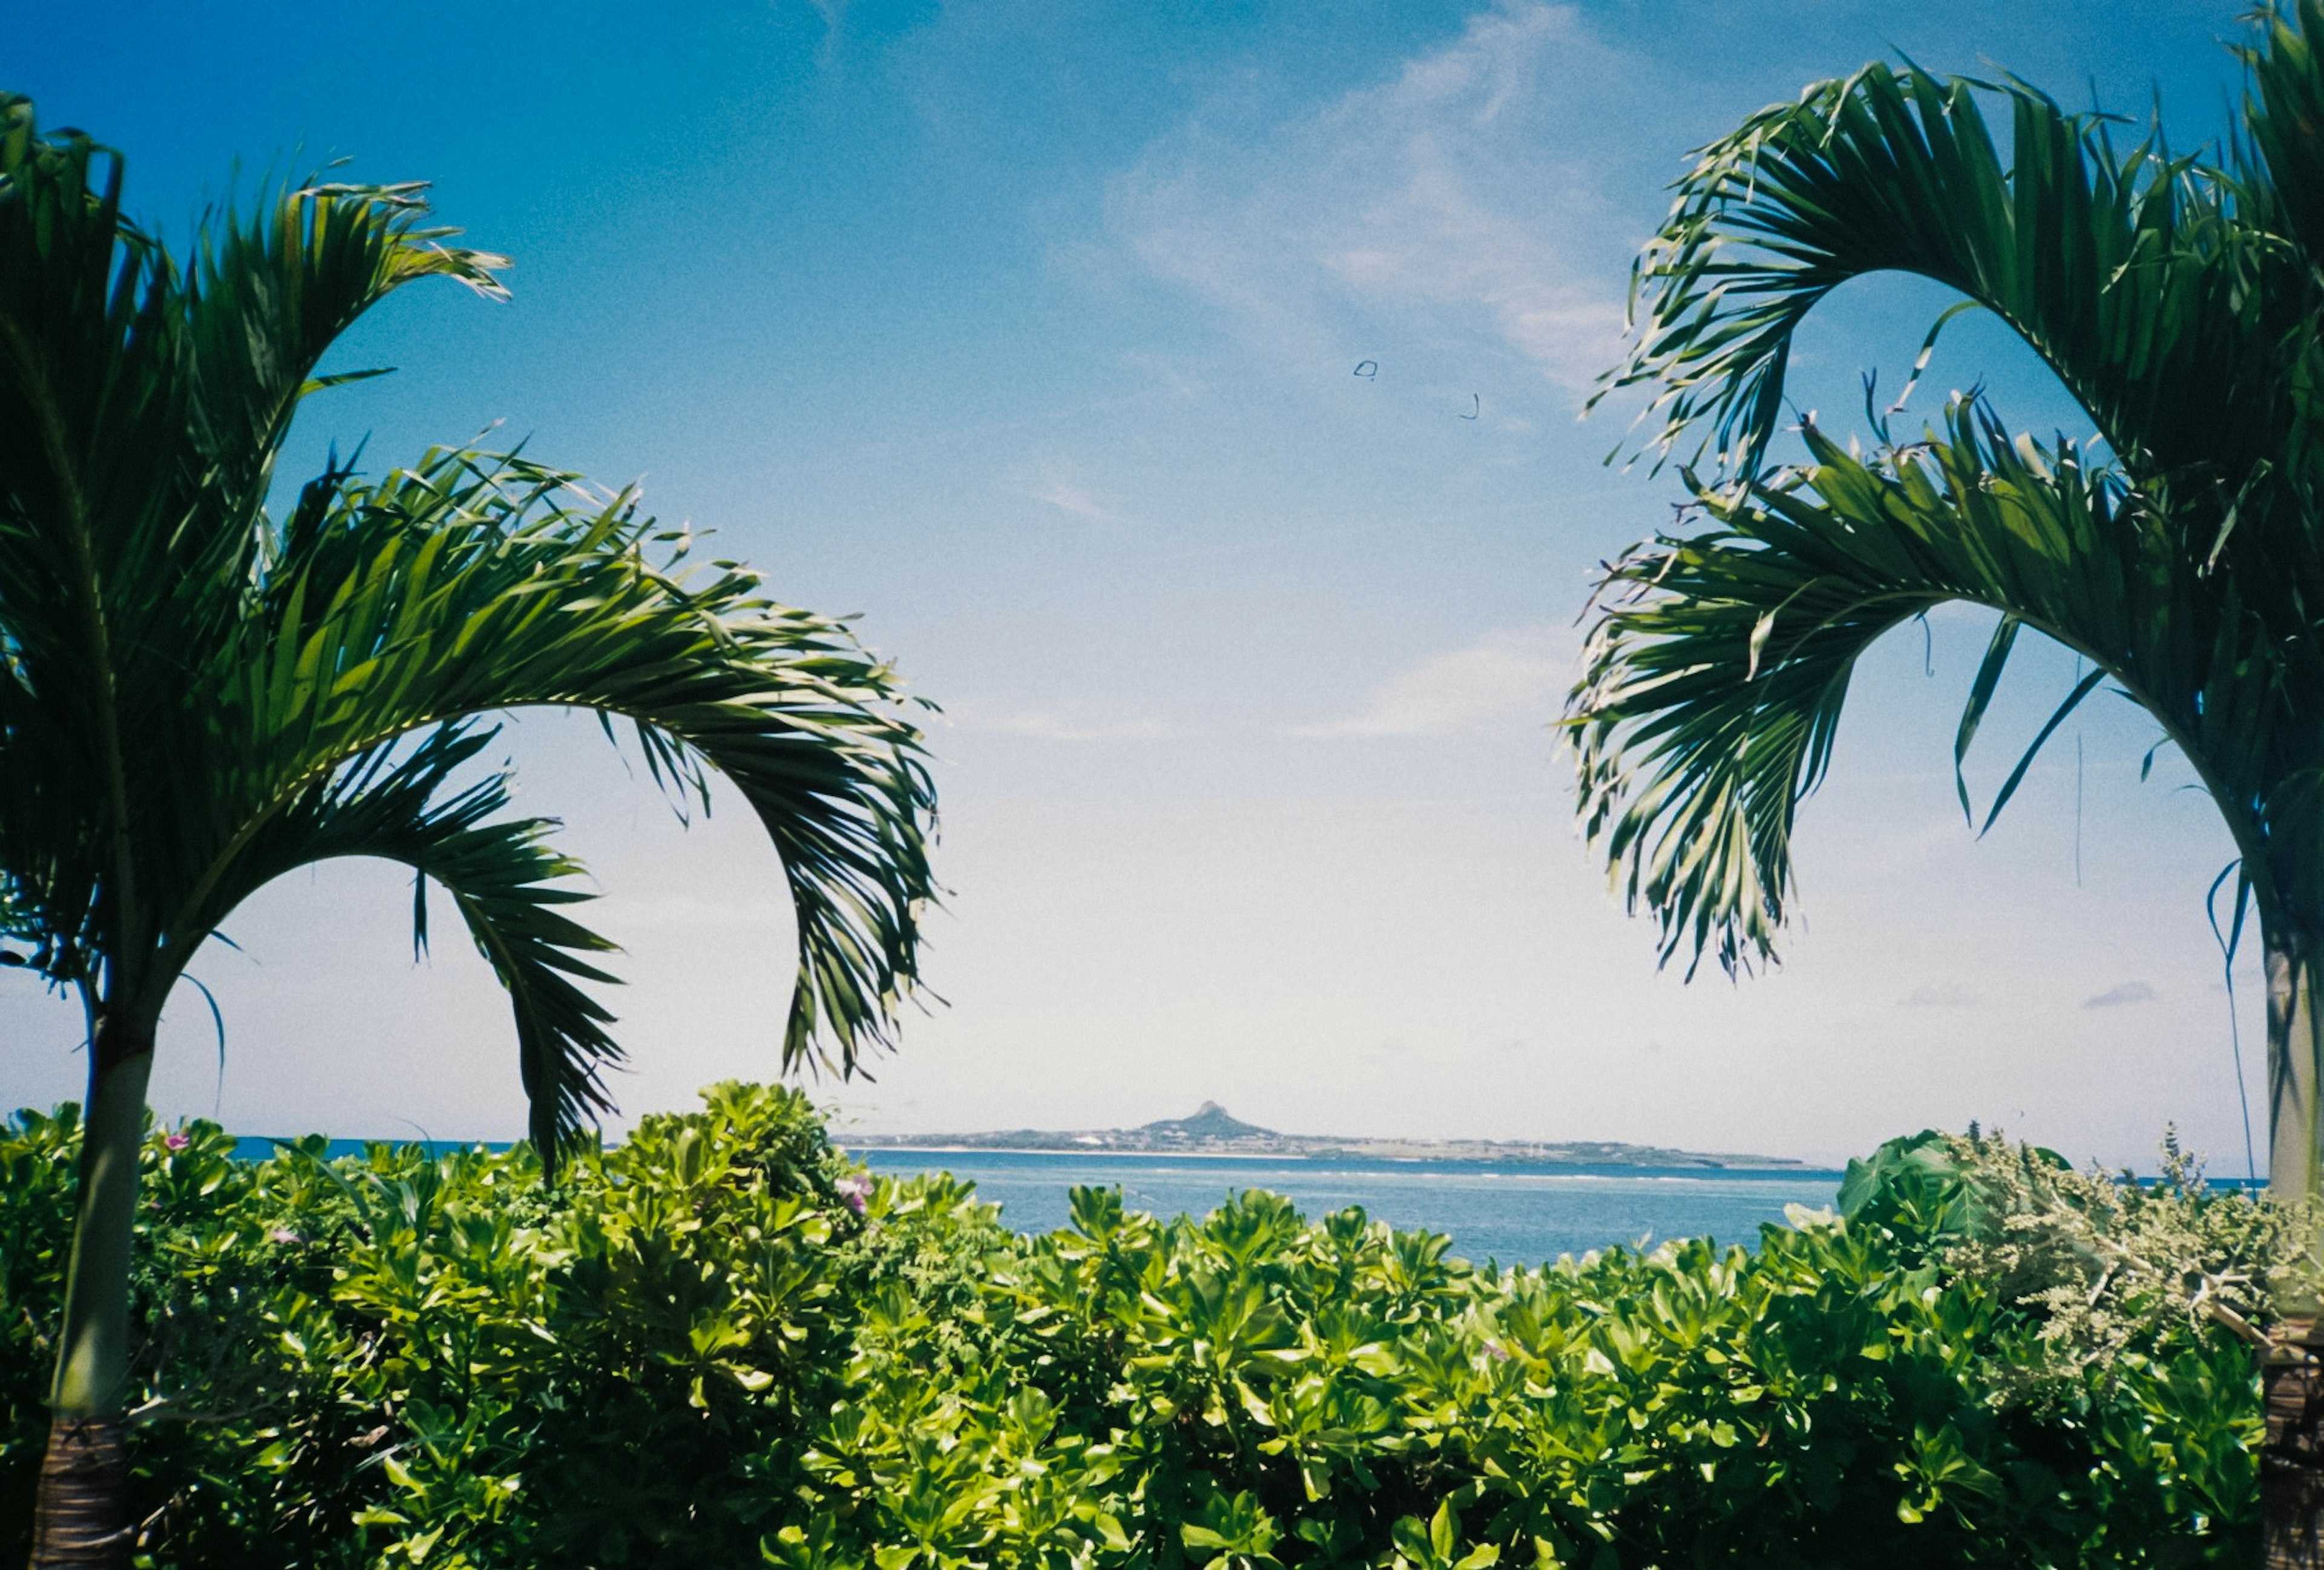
[
  {"x": 1444, "y": 200},
  {"x": 1068, "y": 497},
  {"x": 1521, "y": 672},
  {"x": 1941, "y": 995},
  {"x": 834, "y": 18},
  {"x": 2115, "y": 997}
]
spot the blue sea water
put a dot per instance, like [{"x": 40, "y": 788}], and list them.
[{"x": 1516, "y": 1215}]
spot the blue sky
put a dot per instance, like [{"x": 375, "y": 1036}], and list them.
[{"x": 1028, "y": 331}]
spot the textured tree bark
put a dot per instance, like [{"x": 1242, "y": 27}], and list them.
[
  {"x": 81, "y": 1516},
  {"x": 82, "y": 1519},
  {"x": 2292, "y": 1461}
]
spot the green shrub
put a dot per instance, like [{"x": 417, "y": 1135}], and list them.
[
  {"x": 2109, "y": 1268},
  {"x": 719, "y": 1344},
  {"x": 400, "y": 1359}
]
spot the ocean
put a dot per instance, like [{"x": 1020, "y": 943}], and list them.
[{"x": 1515, "y": 1214}]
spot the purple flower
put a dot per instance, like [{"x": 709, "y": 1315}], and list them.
[
  {"x": 856, "y": 1189},
  {"x": 284, "y": 1234},
  {"x": 177, "y": 1139}
]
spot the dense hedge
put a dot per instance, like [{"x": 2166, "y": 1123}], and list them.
[{"x": 719, "y": 1344}]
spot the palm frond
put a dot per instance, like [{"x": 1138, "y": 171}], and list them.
[
  {"x": 2161, "y": 306},
  {"x": 268, "y": 295},
  {"x": 473, "y": 583},
  {"x": 2285, "y": 117},
  {"x": 86, "y": 311},
  {"x": 405, "y": 805},
  {"x": 1715, "y": 680},
  {"x": 140, "y": 410}
]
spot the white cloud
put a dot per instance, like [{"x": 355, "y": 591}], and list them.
[
  {"x": 1517, "y": 674},
  {"x": 2114, "y": 997},
  {"x": 1445, "y": 201}
]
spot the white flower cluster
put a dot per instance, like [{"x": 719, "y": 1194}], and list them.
[{"x": 2114, "y": 1266}]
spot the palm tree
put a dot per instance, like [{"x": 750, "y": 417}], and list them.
[
  {"x": 2180, "y": 303},
  {"x": 197, "y": 697}
]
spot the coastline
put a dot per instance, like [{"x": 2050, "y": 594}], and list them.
[
  {"x": 1354, "y": 1160},
  {"x": 1213, "y": 1133}
]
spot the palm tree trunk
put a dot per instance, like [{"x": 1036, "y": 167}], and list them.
[
  {"x": 81, "y": 1520},
  {"x": 2291, "y": 1466}
]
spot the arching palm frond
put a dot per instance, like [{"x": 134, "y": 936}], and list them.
[
  {"x": 142, "y": 409},
  {"x": 2165, "y": 310},
  {"x": 475, "y": 583},
  {"x": 1714, "y": 682},
  {"x": 270, "y": 295},
  {"x": 406, "y": 805},
  {"x": 265, "y": 298}
]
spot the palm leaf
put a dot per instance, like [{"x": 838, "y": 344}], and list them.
[
  {"x": 270, "y": 295},
  {"x": 2285, "y": 117},
  {"x": 1714, "y": 682},
  {"x": 404, "y": 805},
  {"x": 2134, "y": 274},
  {"x": 473, "y": 583}
]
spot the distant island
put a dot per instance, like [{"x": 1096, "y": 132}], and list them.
[{"x": 1213, "y": 1132}]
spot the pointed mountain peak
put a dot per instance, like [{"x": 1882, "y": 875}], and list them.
[{"x": 1210, "y": 1124}]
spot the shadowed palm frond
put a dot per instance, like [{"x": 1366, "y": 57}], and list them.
[{"x": 2284, "y": 113}]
